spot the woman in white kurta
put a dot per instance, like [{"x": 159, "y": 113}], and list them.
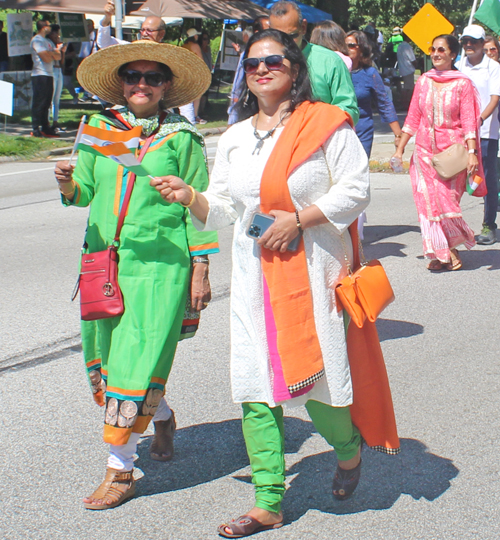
[{"x": 327, "y": 190}]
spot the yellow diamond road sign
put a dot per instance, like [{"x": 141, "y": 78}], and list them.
[{"x": 426, "y": 25}]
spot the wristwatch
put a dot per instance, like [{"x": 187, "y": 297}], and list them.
[{"x": 473, "y": 151}]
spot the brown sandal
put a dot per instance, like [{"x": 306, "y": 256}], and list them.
[
  {"x": 162, "y": 447},
  {"x": 109, "y": 494},
  {"x": 456, "y": 261},
  {"x": 245, "y": 526},
  {"x": 435, "y": 265}
]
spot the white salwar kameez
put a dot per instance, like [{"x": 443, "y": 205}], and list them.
[{"x": 233, "y": 196}]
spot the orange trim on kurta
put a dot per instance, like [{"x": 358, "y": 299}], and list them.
[
  {"x": 126, "y": 392},
  {"x": 309, "y": 127},
  {"x": 116, "y": 435},
  {"x": 156, "y": 145},
  {"x": 141, "y": 424},
  {"x": 372, "y": 411},
  {"x": 93, "y": 362},
  {"x": 213, "y": 245}
]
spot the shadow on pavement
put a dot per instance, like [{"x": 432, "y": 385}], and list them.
[
  {"x": 385, "y": 249},
  {"x": 391, "y": 329},
  {"x": 474, "y": 259},
  {"x": 206, "y": 452},
  {"x": 374, "y": 233},
  {"x": 415, "y": 472}
]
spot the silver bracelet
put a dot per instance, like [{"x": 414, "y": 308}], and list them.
[{"x": 202, "y": 260}]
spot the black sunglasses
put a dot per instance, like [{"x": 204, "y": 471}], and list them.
[
  {"x": 352, "y": 45},
  {"x": 274, "y": 62},
  {"x": 472, "y": 41},
  {"x": 152, "y": 78}
]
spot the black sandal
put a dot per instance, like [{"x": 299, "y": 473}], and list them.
[{"x": 346, "y": 481}]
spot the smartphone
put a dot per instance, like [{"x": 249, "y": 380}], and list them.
[{"x": 259, "y": 225}]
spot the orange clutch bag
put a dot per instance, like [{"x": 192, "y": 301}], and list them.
[{"x": 365, "y": 293}]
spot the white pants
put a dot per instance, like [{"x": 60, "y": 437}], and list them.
[{"x": 121, "y": 457}]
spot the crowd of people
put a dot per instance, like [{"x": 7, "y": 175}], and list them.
[{"x": 297, "y": 151}]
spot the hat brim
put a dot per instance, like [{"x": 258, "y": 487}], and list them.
[{"x": 98, "y": 73}]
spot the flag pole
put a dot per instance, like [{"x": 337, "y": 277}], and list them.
[
  {"x": 473, "y": 11},
  {"x": 78, "y": 136}
]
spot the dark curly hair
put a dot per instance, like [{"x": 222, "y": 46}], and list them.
[
  {"x": 364, "y": 47},
  {"x": 247, "y": 104}
]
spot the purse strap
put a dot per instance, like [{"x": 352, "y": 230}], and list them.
[
  {"x": 131, "y": 183},
  {"x": 362, "y": 258}
]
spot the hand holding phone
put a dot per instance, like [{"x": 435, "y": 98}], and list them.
[{"x": 259, "y": 225}]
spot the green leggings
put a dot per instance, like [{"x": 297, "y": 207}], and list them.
[{"x": 264, "y": 434}]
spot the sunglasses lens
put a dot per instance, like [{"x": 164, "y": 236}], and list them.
[
  {"x": 131, "y": 77},
  {"x": 352, "y": 45},
  {"x": 250, "y": 65},
  {"x": 152, "y": 78},
  {"x": 274, "y": 62}
]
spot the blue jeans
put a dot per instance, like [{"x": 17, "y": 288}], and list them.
[{"x": 489, "y": 149}]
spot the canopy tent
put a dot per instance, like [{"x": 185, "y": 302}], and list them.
[
  {"x": 134, "y": 22},
  {"x": 311, "y": 14},
  {"x": 207, "y": 9}
]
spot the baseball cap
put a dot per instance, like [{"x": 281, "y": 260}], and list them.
[
  {"x": 474, "y": 31},
  {"x": 192, "y": 32}
]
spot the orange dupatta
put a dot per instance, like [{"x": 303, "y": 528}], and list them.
[{"x": 285, "y": 274}]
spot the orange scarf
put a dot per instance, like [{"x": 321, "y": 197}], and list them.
[{"x": 285, "y": 274}]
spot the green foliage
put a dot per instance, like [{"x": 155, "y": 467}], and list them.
[
  {"x": 389, "y": 13},
  {"x": 27, "y": 147}
]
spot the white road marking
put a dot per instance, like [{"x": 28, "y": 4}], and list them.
[{"x": 24, "y": 172}]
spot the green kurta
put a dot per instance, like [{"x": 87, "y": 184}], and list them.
[
  {"x": 156, "y": 242},
  {"x": 330, "y": 79}
]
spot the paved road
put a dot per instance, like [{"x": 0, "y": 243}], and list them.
[{"x": 440, "y": 340}]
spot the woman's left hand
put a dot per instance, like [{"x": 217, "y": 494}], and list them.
[
  {"x": 201, "y": 293},
  {"x": 281, "y": 232},
  {"x": 472, "y": 165}
]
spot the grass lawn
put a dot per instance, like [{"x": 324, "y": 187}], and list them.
[
  {"x": 27, "y": 147},
  {"x": 70, "y": 115}
]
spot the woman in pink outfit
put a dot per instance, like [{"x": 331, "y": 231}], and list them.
[{"x": 444, "y": 110}]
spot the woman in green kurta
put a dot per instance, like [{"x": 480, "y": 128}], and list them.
[{"x": 129, "y": 357}]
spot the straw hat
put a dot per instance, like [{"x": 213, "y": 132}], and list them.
[{"x": 98, "y": 73}]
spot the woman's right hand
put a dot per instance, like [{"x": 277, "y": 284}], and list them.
[
  {"x": 173, "y": 189},
  {"x": 64, "y": 172}
]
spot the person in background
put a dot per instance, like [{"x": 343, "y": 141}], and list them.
[
  {"x": 395, "y": 39},
  {"x": 4, "y": 50},
  {"x": 485, "y": 74},
  {"x": 331, "y": 36},
  {"x": 86, "y": 49},
  {"x": 330, "y": 78},
  {"x": 67, "y": 71},
  {"x": 43, "y": 53},
  {"x": 55, "y": 37},
  {"x": 261, "y": 23},
  {"x": 206, "y": 51},
  {"x": 369, "y": 87},
  {"x": 491, "y": 47},
  {"x": 153, "y": 28},
  {"x": 192, "y": 44},
  {"x": 444, "y": 110},
  {"x": 407, "y": 64}
]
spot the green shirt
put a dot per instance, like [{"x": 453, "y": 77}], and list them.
[{"x": 330, "y": 79}]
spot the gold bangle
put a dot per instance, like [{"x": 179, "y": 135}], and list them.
[{"x": 190, "y": 203}]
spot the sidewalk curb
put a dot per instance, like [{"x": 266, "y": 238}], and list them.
[{"x": 213, "y": 131}]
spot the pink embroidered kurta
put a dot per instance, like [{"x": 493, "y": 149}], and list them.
[{"x": 440, "y": 115}]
